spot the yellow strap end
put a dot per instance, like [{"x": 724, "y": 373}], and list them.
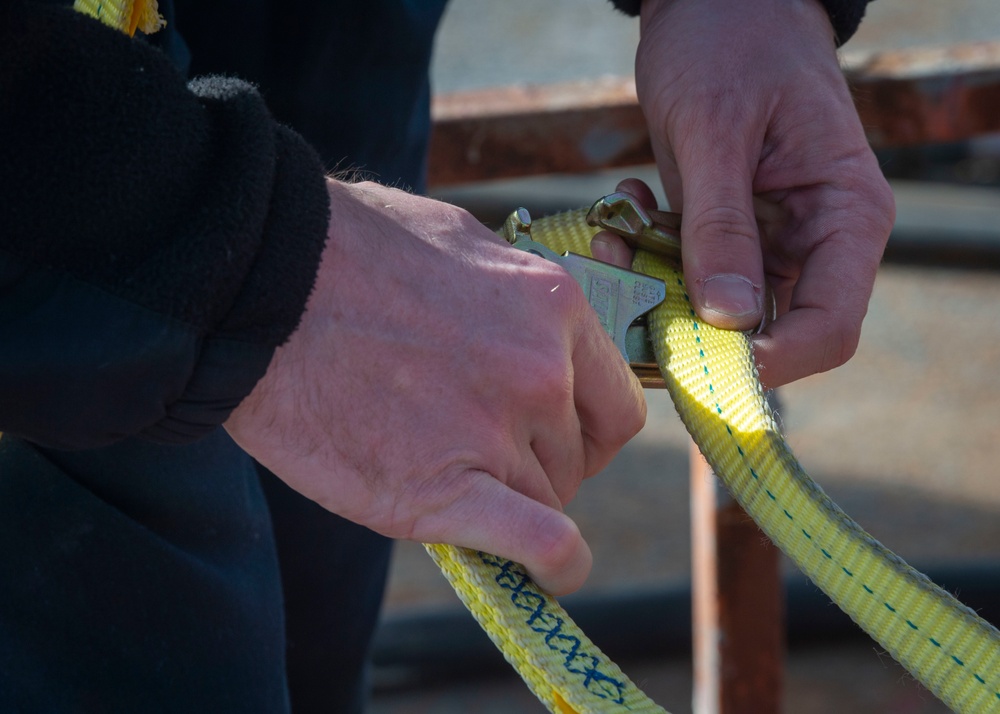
[{"x": 125, "y": 15}]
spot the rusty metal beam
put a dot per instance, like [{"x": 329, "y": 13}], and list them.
[
  {"x": 737, "y": 604},
  {"x": 529, "y": 130},
  {"x": 904, "y": 97},
  {"x": 927, "y": 95}
]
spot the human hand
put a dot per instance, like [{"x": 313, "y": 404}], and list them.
[
  {"x": 760, "y": 147},
  {"x": 443, "y": 387}
]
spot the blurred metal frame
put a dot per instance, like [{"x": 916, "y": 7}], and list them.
[{"x": 904, "y": 98}]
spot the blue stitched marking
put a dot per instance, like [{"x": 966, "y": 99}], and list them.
[
  {"x": 806, "y": 534},
  {"x": 770, "y": 495},
  {"x": 959, "y": 662},
  {"x": 512, "y": 577},
  {"x": 788, "y": 514},
  {"x": 823, "y": 551},
  {"x": 868, "y": 589},
  {"x": 934, "y": 642},
  {"x": 889, "y": 607},
  {"x": 740, "y": 450},
  {"x": 979, "y": 679},
  {"x": 754, "y": 474},
  {"x": 847, "y": 571},
  {"x": 912, "y": 626}
]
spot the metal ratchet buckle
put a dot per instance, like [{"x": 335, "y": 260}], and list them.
[
  {"x": 621, "y": 298},
  {"x": 656, "y": 232}
]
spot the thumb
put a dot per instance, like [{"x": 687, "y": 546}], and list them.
[
  {"x": 720, "y": 242},
  {"x": 490, "y": 517}
]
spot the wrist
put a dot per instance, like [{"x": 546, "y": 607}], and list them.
[{"x": 844, "y": 16}]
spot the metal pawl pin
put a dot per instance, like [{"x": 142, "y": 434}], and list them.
[
  {"x": 517, "y": 227},
  {"x": 517, "y": 232}
]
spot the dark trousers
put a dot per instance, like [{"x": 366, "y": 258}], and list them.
[{"x": 150, "y": 578}]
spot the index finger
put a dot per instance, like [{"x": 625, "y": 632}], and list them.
[
  {"x": 482, "y": 513},
  {"x": 609, "y": 399}
]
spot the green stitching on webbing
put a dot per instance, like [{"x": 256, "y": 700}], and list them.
[{"x": 695, "y": 327}]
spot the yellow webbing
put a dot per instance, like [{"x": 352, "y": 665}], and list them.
[
  {"x": 711, "y": 377},
  {"x": 124, "y": 15}
]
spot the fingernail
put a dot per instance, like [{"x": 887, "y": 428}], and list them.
[
  {"x": 604, "y": 249},
  {"x": 731, "y": 295}
]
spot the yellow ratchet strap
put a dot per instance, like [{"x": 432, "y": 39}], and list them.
[
  {"x": 124, "y": 15},
  {"x": 711, "y": 376}
]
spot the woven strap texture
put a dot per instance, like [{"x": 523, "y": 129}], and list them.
[
  {"x": 125, "y": 15},
  {"x": 712, "y": 380},
  {"x": 711, "y": 377}
]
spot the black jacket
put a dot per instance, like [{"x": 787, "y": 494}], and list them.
[{"x": 159, "y": 239}]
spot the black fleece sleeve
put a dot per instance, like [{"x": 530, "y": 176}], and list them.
[
  {"x": 158, "y": 239},
  {"x": 845, "y": 15}
]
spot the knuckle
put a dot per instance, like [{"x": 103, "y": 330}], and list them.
[
  {"x": 630, "y": 422},
  {"x": 841, "y": 344},
  {"x": 880, "y": 202},
  {"x": 561, "y": 290},
  {"x": 725, "y": 224},
  {"x": 636, "y": 421},
  {"x": 552, "y": 381},
  {"x": 555, "y": 544}
]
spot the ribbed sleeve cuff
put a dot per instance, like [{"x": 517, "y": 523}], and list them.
[{"x": 845, "y": 15}]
